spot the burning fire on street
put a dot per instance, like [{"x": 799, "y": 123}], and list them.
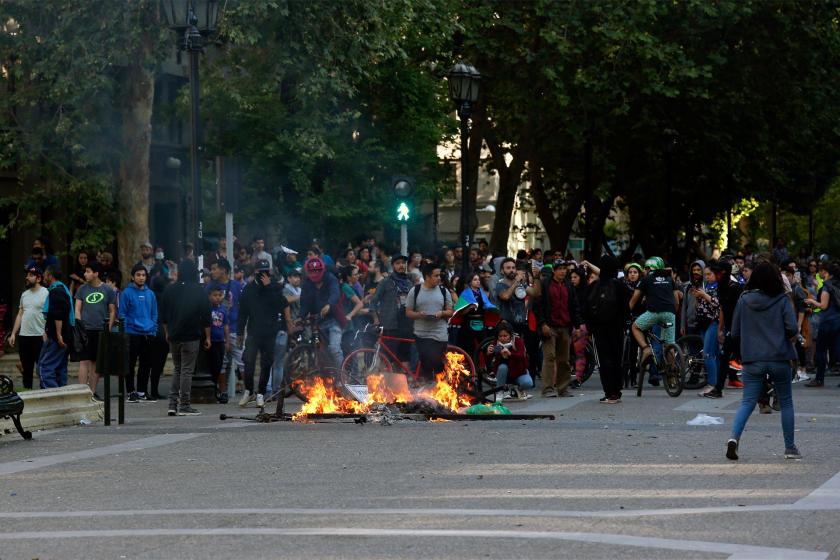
[{"x": 449, "y": 392}]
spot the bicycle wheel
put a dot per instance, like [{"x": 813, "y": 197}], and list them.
[
  {"x": 644, "y": 368},
  {"x": 300, "y": 367},
  {"x": 693, "y": 361},
  {"x": 484, "y": 375},
  {"x": 362, "y": 362},
  {"x": 474, "y": 384},
  {"x": 591, "y": 366},
  {"x": 673, "y": 370}
]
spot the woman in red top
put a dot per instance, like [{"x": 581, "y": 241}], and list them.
[{"x": 510, "y": 362}]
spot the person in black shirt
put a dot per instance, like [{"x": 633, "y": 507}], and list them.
[
  {"x": 661, "y": 300},
  {"x": 264, "y": 311},
  {"x": 186, "y": 322}
]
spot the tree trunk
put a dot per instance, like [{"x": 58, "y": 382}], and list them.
[
  {"x": 134, "y": 172},
  {"x": 510, "y": 176},
  {"x": 557, "y": 229}
]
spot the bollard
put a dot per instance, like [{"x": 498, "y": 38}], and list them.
[{"x": 112, "y": 359}]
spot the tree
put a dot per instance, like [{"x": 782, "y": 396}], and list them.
[
  {"x": 77, "y": 118},
  {"x": 326, "y": 101}
]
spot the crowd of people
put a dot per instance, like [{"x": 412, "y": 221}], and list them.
[{"x": 543, "y": 309}]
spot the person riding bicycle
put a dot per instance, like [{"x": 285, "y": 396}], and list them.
[
  {"x": 319, "y": 295},
  {"x": 661, "y": 300}
]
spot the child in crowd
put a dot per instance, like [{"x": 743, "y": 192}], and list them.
[
  {"x": 510, "y": 362},
  {"x": 219, "y": 342},
  {"x": 113, "y": 279}
]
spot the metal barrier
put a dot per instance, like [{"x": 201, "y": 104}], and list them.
[{"x": 112, "y": 359}]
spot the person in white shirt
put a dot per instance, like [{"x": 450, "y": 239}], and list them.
[
  {"x": 259, "y": 252},
  {"x": 28, "y": 332}
]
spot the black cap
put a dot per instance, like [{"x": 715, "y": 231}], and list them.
[
  {"x": 396, "y": 258},
  {"x": 560, "y": 262},
  {"x": 262, "y": 266}
]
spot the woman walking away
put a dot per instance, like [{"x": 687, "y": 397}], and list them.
[{"x": 766, "y": 323}]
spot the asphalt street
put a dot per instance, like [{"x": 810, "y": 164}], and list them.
[{"x": 631, "y": 480}]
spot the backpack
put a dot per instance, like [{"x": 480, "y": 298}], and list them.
[
  {"x": 602, "y": 303},
  {"x": 417, "y": 292}
]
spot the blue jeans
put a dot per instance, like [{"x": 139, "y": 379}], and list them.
[
  {"x": 524, "y": 381},
  {"x": 711, "y": 352},
  {"x": 52, "y": 365},
  {"x": 332, "y": 331},
  {"x": 827, "y": 338},
  {"x": 275, "y": 381},
  {"x": 753, "y": 378}
]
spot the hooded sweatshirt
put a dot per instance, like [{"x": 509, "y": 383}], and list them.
[
  {"x": 765, "y": 325},
  {"x": 186, "y": 308},
  {"x": 138, "y": 307},
  {"x": 688, "y": 316}
]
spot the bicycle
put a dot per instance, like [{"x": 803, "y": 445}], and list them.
[
  {"x": 380, "y": 358},
  {"x": 671, "y": 367},
  {"x": 629, "y": 357},
  {"x": 693, "y": 360},
  {"x": 307, "y": 360}
]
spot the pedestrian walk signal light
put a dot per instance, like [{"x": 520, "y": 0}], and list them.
[
  {"x": 403, "y": 212},
  {"x": 403, "y": 188}
]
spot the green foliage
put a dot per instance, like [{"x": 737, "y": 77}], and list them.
[
  {"x": 59, "y": 117},
  {"x": 326, "y": 101}
]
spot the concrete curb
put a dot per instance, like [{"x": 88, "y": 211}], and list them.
[{"x": 55, "y": 408}]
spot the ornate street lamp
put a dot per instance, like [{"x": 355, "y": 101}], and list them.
[
  {"x": 463, "y": 90},
  {"x": 193, "y": 21}
]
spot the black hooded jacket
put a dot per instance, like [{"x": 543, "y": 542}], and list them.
[{"x": 185, "y": 307}]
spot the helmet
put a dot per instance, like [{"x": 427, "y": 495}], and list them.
[
  {"x": 628, "y": 266},
  {"x": 655, "y": 263},
  {"x": 314, "y": 268}
]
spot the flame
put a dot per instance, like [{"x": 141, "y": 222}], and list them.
[
  {"x": 380, "y": 391},
  {"x": 448, "y": 391},
  {"x": 322, "y": 398},
  {"x": 449, "y": 381}
]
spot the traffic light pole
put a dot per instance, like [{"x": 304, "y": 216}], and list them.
[{"x": 404, "y": 239}]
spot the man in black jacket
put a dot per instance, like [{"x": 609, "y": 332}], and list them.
[
  {"x": 558, "y": 314},
  {"x": 264, "y": 311},
  {"x": 186, "y": 322}
]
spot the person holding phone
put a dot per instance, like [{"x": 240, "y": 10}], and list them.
[{"x": 430, "y": 307}]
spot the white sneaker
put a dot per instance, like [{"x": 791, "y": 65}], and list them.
[
  {"x": 260, "y": 401},
  {"x": 801, "y": 376},
  {"x": 246, "y": 398}
]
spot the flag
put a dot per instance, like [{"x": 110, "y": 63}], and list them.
[{"x": 467, "y": 302}]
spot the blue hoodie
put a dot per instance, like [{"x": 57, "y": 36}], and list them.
[
  {"x": 138, "y": 307},
  {"x": 765, "y": 324}
]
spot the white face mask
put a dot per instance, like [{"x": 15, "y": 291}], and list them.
[{"x": 159, "y": 256}]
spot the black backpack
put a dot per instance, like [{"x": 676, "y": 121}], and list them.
[
  {"x": 602, "y": 302},
  {"x": 417, "y": 292}
]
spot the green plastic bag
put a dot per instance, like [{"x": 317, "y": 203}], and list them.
[{"x": 495, "y": 408}]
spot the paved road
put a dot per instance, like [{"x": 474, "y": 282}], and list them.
[{"x": 622, "y": 481}]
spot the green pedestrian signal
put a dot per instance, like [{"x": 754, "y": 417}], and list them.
[{"x": 403, "y": 212}]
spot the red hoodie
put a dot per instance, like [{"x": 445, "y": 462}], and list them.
[{"x": 517, "y": 361}]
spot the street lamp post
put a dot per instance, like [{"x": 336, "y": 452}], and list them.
[
  {"x": 463, "y": 90},
  {"x": 192, "y": 21}
]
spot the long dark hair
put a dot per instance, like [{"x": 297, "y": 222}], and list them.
[
  {"x": 465, "y": 280},
  {"x": 345, "y": 271},
  {"x": 766, "y": 278}
]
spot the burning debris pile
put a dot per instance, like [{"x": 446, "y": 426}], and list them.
[{"x": 390, "y": 394}]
